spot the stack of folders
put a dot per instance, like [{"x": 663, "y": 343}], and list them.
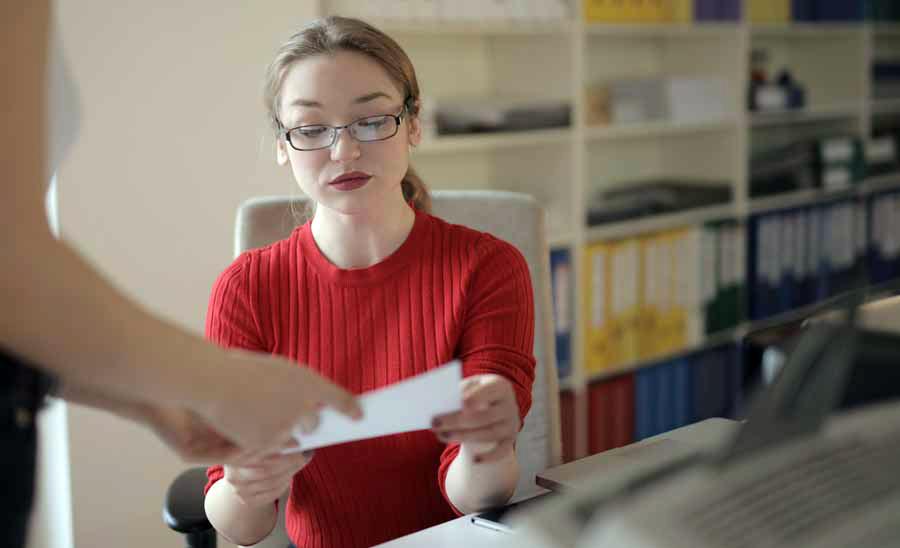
[
  {"x": 723, "y": 274},
  {"x": 664, "y": 396},
  {"x": 840, "y": 161},
  {"x": 480, "y": 11},
  {"x": 832, "y": 163},
  {"x": 884, "y": 250},
  {"x": 661, "y": 11},
  {"x": 611, "y": 413},
  {"x": 882, "y": 10},
  {"x": 656, "y": 294},
  {"x": 561, "y": 280},
  {"x": 567, "y": 424},
  {"x": 685, "y": 390},
  {"x": 832, "y": 10},
  {"x": 881, "y": 155},
  {"x": 886, "y": 78},
  {"x": 768, "y": 11},
  {"x": 804, "y": 255}
]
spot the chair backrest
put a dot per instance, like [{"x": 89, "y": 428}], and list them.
[{"x": 515, "y": 218}]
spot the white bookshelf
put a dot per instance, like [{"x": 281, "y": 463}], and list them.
[
  {"x": 809, "y": 115},
  {"x": 493, "y": 141},
  {"x": 564, "y": 168},
  {"x": 656, "y": 129}
]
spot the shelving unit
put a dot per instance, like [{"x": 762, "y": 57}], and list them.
[{"x": 564, "y": 168}]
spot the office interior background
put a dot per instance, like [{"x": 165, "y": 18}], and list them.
[{"x": 709, "y": 167}]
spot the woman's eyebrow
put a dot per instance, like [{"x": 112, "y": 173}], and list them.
[
  {"x": 371, "y": 97},
  {"x": 358, "y": 101}
]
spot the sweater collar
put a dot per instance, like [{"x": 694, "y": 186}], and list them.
[{"x": 371, "y": 275}]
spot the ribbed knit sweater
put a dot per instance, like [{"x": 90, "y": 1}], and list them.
[{"x": 448, "y": 292}]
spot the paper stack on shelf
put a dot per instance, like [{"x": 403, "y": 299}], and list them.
[
  {"x": 494, "y": 114},
  {"x": 678, "y": 99},
  {"x": 653, "y": 197}
]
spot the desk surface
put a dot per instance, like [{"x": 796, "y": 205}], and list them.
[
  {"x": 455, "y": 534},
  {"x": 703, "y": 435}
]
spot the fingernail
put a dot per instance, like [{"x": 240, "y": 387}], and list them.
[{"x": 435, "y": 423}]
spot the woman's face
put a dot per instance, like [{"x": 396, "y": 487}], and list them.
[{"x": 335, "y": 90}]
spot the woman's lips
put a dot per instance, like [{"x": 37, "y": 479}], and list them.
[{"x": 350, "y": 181}]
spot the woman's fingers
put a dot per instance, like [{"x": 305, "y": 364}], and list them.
[
  {"x": 491, "y": 432},
  {"x": 500, "y": 451},
  {"x": 465, "y": 420}
]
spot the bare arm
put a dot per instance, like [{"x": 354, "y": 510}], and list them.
[
  {"x": 235, "y": 520},
  {"x": 56, "y": 311},
  {"x": 66, "y": 317},
  {"x": 475, "y": 486}
]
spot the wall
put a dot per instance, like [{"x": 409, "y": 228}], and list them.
[{"x": 172, "y": 139}]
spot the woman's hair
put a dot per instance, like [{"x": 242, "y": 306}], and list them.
[{"x": 329, "y": 35}]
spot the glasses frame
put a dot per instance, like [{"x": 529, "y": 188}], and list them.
[{"x": 336, "y": 130}]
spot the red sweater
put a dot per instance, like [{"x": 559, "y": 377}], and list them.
[{"x": 447, "y": 292}]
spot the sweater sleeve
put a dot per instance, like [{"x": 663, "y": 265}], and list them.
[
  {"x": 498, "y": 335},
  {"x": 231, "y": 323}
]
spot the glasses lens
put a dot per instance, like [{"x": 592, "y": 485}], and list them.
[
  {"x": 311, "y": 137},
  {"x": 374, "y": 128}
]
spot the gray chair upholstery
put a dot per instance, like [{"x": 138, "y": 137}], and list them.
[{"x": 515, "y": 218}]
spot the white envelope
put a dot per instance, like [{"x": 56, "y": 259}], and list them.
[{"x": 406, "y": 406}]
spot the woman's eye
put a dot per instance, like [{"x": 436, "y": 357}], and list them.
[
  {"x": 311, "y": 132},
  {"x": 372, "y": 123}
]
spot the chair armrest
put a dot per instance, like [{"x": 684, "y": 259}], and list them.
[{"x": 183, "y": 510}]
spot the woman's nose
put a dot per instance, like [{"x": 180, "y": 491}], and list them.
[{"x": 345, "y": 147}]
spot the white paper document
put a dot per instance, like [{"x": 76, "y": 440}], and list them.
[{"x": 406, "y": 406}]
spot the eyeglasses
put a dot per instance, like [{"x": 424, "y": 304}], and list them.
[{"x": 364, "y": 130}]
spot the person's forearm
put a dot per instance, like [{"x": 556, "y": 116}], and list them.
[
  {"x": 71, "y": 322},
  {"x": 236, "y": 521},
  {"x": 129, "y": 409},
  {"x": 473, "y": 487},
  {"x": 56, "y": 311}
]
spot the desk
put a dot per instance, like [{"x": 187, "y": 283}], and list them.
[
  {"x": 456, "y": 533},
  {"x": 703, "y": 435}
]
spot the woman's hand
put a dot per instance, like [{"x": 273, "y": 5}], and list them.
[
  {"x": 260, "y": 481},
  {"x": 489, "y": 421}
]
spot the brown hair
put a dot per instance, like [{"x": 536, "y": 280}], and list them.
[{"x": 329, "y": 35}]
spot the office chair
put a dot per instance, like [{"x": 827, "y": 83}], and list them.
[{"x": 516, "y": 218}]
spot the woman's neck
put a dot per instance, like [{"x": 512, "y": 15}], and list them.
[{"x": 351, "y": 241}]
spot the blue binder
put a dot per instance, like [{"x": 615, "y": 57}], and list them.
[{"x": 560, "y": 261}]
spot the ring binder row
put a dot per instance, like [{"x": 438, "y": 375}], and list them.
[
  {"x": 655, "y": 399},
  {"x": 754, "y": 11},
  {"x": 648, "y": 299}
]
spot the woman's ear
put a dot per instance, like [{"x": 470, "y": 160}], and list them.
[
  {"x": 281, "y": 155},
  {"x": 415, "y": 131}
]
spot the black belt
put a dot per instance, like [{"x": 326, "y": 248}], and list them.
[{"x": 23, "y": 389}]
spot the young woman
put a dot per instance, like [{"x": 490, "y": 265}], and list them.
[{"x": 372, "y": 290}]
